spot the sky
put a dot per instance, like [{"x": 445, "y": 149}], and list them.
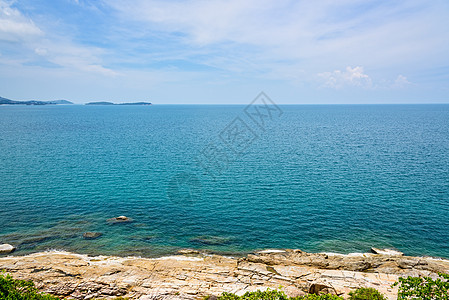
[{"x": 225, "y": 52}]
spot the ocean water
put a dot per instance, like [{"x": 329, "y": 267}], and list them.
[{"x": 339, "y": 178}]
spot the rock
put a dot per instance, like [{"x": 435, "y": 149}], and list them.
[
  {"x": 211, "y": 240},
  {"x": 188, "y": 251},
  {"x": 353, "y": 265},
  {"x": 321, "y": 288},
  {"x": 7, "y": 248},
  {"x": 268, "y": 251},
  {"x": 190, "y": 277},
  {"x": 407, "y": 263},
  {"x": 91, "y": 235},
  {"x": 143, "y": 238},
  {"x": 120, "y": 219},
  {"x": 386, "y": 252}
]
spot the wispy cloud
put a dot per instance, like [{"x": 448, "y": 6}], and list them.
[
  {"x": 34, "y": 45},
  {"x": 277, "y": 34},
  {"x": 349, "y": 77},
  {"x": 14, "y": 27},
  {"x": 246, "y": 45},
  {"x": 401, "y": 81}
]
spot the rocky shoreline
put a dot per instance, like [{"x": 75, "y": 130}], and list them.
[{"x": 192, "y": 274}]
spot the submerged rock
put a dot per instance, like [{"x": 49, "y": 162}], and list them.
[
  {"x": 92, "y": 235},
  {"x": 143, "y": 238},
  {"x": 211, "y": 240},
  {"x": 120, "y": 219},
  {"x": 188, "y": 251},
  {"x": 6, "y": 248},
  {"x": 386, "y": 252}
]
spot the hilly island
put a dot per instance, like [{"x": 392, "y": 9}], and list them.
[{"x": 6, "y": 101}]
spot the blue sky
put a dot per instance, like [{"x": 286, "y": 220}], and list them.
[{"x": 215, "y": 51}]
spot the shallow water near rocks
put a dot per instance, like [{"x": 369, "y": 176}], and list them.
[{"x": 339, "y": 178}]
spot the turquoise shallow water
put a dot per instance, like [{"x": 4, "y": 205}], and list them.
[{"x": 337, "y": 178}]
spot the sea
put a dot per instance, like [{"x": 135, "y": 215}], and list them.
[{"x": 229, "y": 179}]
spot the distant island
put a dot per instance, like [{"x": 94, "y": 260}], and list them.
[
  {"x": 4, "y": 101},
  {"x": 100, "y": 103},
  {"x": 110, "y": 103}
]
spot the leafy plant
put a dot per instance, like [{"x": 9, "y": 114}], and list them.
[
  {"x": 14, "y": 289},
  {"x": 257, "y": 295},
  {"x": 275, "y": 295},
  {"x": 318, "y": 297},
  {"x": 366, "y": 294},
  {"x": 423, "y": 288}
]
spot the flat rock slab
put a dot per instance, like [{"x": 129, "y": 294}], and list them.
[{"x": 191, "y": 277}]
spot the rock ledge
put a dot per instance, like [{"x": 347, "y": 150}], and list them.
[{"x": 190, "y": 277}]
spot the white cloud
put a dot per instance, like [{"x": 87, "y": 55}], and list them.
[
  {"x": 401, "y": 81},
  {"x": 41, "y": 51},
  {"x": 14, "y": 26},
  {"x": 34, "y": 44},
  {"x": 349, "y": 77}
]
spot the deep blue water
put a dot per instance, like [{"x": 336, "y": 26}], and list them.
[{"x": 339, "y": 178}]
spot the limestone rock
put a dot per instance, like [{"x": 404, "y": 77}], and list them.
[
  {"x": 75, "y": 276},
  {"x": 6, "y": 248}
]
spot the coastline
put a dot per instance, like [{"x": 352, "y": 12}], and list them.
[{"x": 193, "y": 274}]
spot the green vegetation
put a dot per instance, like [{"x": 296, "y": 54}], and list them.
[
  {"x": 366, "y": 294},
  {"x": 275, "y": 295},
  {"x": 359, "y": 294},
  {"x": 318, "y": 297},
  {"x": 14, "y": 289},
  {"x": 32, "y": 102},
  {"x": 424, "y": 288}
]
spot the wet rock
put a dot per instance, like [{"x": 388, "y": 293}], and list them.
[
  {"x": 144, "y": 238},
  {"x": 120, "y": 219},
  {"x": 269, "y": 251},
  {"x": 7, "y": 248},
  {"x": 188, "y": 251},
  {"x": 34, "y": 240},
  {"x": 386, "y": 252},
  {"x": 92, "y": 235}
]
